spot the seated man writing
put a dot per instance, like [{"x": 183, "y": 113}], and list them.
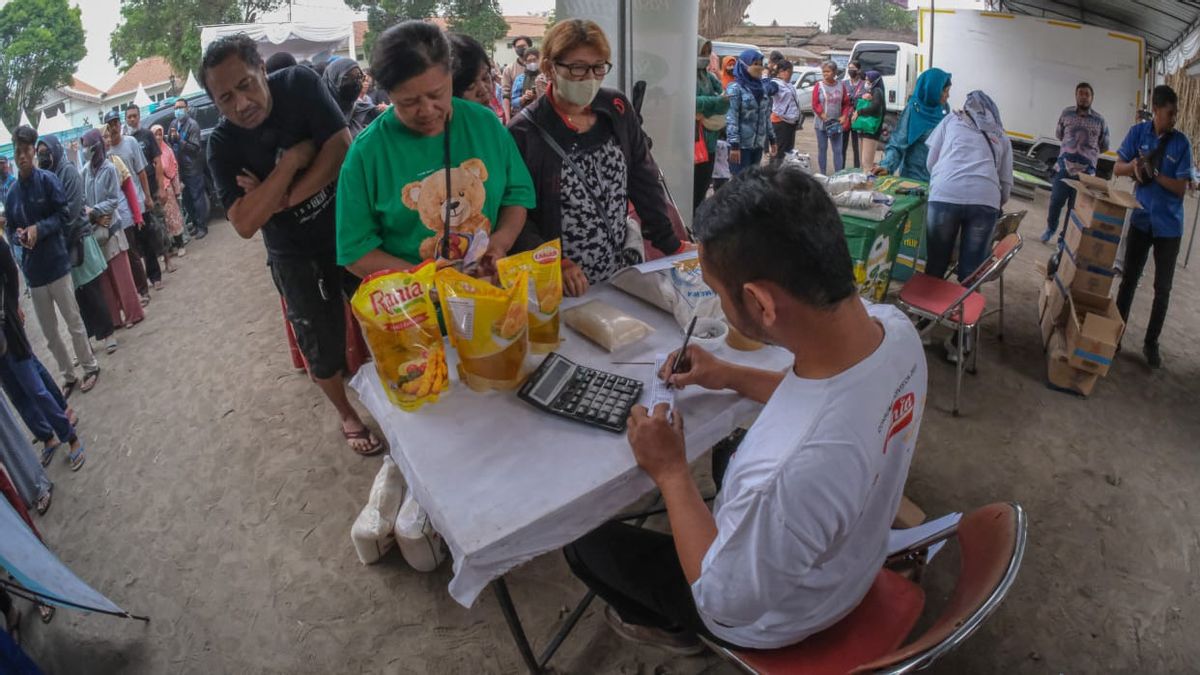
[{"x": 799, "y": 528}]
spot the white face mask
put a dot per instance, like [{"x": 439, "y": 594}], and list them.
[
  {"x": 578, "y": 92},
  {"x": 531, "y": 67}
]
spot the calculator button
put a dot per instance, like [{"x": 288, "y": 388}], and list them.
[{"x": 614, "y": 420}]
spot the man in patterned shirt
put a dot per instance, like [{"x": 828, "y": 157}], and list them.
[{"x": 1083, "y": 134}]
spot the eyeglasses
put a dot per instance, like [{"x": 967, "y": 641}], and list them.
[{"x": 581, "y": 69}]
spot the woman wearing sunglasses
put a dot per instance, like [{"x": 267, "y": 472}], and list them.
[{"x": 589, "y": 159}]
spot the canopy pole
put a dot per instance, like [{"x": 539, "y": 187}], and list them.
[{"x": 34, "y": 596}]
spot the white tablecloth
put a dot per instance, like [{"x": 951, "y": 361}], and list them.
[{"x": 504, "y": 482}]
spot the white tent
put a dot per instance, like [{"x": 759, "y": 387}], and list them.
[
  {"x": 5, "y": 135},
  {"x": 24, "y": 121},
  {"x": 191, "y": 86},
  {"x": 141, "y": 99},
  {"x": 302, "y": 40}
]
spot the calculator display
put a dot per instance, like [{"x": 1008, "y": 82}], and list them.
[{"x": 551, "y": 380}]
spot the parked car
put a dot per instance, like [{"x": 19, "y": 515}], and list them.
[{"x": 205, "y": 112}]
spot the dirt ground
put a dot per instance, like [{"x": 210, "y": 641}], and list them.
[{"x": 218, "y": 497}]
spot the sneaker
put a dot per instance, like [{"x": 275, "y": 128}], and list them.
[
  {"x": 676, "y": 642},
  {"x": 1047, "y": 236},
  {"x": 1153, "y": 357}
]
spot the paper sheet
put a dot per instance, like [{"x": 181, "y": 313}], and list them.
[
  {"x": 659, "y": 391},
  {"x": 898, "y": 540}
]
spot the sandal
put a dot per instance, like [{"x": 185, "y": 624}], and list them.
[
  {"x": 375, "y": 445},
  {"x": 75, "y": 458},
  {"x": 111, "y": 345},
  {"x": 89, "y": 381},
  {"x": 48, "y": 452},
  {"x": 68, "y": 388},
  {"x": 158, "y": 285},
  {"x": 46, "y": 612},
  {"x": 42, "y": 505}
]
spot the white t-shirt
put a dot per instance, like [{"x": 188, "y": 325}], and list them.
[
  {"x": 962, "y": 170},
  {"x": 808, "y": 498}
]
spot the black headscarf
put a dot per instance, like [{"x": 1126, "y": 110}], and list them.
[
  {"x": 56, "y": 151},
  {"x": 358, "y": 113}
]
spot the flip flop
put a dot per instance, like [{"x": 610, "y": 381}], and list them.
[
  {"x": 89, "y": 381},
  {"x": 75, "y": 458},
  {"x": 68, "y": 388},
  {"x": 46, "y": 612},
  {"x": 48, "y": 453},
  {"x": 363, "y": 434},
  {"x": 42, "y": 505}
]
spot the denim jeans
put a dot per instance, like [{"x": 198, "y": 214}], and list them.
[
  {"x": 750, "y": 157},
  {"x": 36, "y": 398},
  {"x": 827, "y": 144},
  {"x": 1060, "y": 194},
  {"x": 946, "y": 222},
  {"x": 195, "y": 198}
]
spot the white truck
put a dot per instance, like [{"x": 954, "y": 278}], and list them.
[
  {"x": 897, "y": 63},
  {"x": 1030, "y": 67}
]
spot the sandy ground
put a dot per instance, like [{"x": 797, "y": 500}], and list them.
[{"x": 218, "y": 497}]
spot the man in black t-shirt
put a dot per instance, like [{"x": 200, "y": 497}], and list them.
[
  {"x": 275, "y": 157},
  {"x": 150, "y": 241}
]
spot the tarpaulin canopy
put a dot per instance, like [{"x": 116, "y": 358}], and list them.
[
  {"x": 1169, "y": 26},
  {"x": 40, "y": 573},
  {"x": 302, "y": 40}
]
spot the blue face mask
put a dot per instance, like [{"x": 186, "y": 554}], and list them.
[{"x": 180, "y": 113}]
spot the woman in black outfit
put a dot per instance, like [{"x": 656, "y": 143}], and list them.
[{"x": 878, "y": 98}]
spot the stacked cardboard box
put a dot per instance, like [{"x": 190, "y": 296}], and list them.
[{"x": 1081, "y": 327}]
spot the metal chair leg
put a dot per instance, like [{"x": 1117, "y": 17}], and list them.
[
  {"x": 975, "y": 351},
  {"x": 1000, "y": 336},
  {"x": 958, "y": 366}
]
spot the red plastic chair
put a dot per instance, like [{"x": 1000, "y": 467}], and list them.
[
  {"x": 958, "y": 307},
  {"x": 992, "y": 543}
]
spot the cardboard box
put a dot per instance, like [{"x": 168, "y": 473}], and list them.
[
  {"x": 1059, "y": 372},
  {"x": 1092, "y": 283},
  {"x": 1100, "y": 205},
  {"x": 1090, "y": 245},
  {"x": 1092, "y": 337},
  {"x": 1052, "y": 303}
]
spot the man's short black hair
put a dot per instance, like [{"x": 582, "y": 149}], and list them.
[
  {"x": 528, "y": 40},
  {"x": 777, "y": 224},
  {"x": 783, "y": 65},
  {"x": 239, "y": 44},
  {"x": 25, "y": 135},
  {"x": 407, "y": 50},
  {"x": 1164, "y": 95},
  {"x": 279, "y": 61},
  {"x": 1085, "y": 85}
]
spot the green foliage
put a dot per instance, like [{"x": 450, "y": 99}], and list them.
[
  {"x": 41, "y": 42},
  {"x": 383, "y": 14},
  {"x": 171, "y": 28},
  {"x": 883, "y": 14},
  {"x": 481, "y": 19}
]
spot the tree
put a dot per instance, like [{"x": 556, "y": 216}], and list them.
[
  {"x": 383, "y": 14},
  {"x": 718, "y": 16},
  {"x": 481, "y": 19},
  {"x": 883, "y": 14},
  {"x": 41, "y": 42},
  {"x": 170, "y": 28}
]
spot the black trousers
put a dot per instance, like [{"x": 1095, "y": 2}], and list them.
[
  {"x": 637, "y": 571},
  {"x": 140, "y": 241},
  {"x": 850, "y": 139},
  {"x": 1137, "y": 251},
  {"x": 701, "y": 179},
  {"x": 94, "y": 309},
  {"x": 785, "y": 140}
]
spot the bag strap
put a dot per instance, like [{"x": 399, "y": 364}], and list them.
[{"x": 562, "y": 154}]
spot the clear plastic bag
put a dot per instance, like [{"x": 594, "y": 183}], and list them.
[{"x": 606, "y": 325}]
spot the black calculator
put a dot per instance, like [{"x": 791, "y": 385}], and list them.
[{"x": 565, "y": 388}]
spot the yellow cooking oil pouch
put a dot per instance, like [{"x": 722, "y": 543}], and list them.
[
  {"x": 399, "y": 322},
  {"x": 544, "y": 265},
  {"x": 488, "y": 326}
]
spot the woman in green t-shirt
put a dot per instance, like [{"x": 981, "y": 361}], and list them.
[{"x": 392, "y": 196}]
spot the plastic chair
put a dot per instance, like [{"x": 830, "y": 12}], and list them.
[
  {"x": 959, "y": 307},
  {"x": 992, "y": 543}
]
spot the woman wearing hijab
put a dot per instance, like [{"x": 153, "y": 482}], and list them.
[
  {"x": 108, "y": 211},
  {"x": 345, "y": 80},
  {"x": 125, "y": 178},
  {"x": 711, "y": 106},
  {"x": 87, "y": 260},
  {"x": 831, "y": 104},
  {"x": 907, "y": 150},
  {"x": 748, "y": 122},
  {"x": 170, "y": 193},
  {"x": 876, "y": 98},
  {"x": 970, "y": 164},
  {"x": 728, "y": 64}
]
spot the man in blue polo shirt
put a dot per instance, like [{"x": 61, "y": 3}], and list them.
[{"x": 1159, "y": 159}]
